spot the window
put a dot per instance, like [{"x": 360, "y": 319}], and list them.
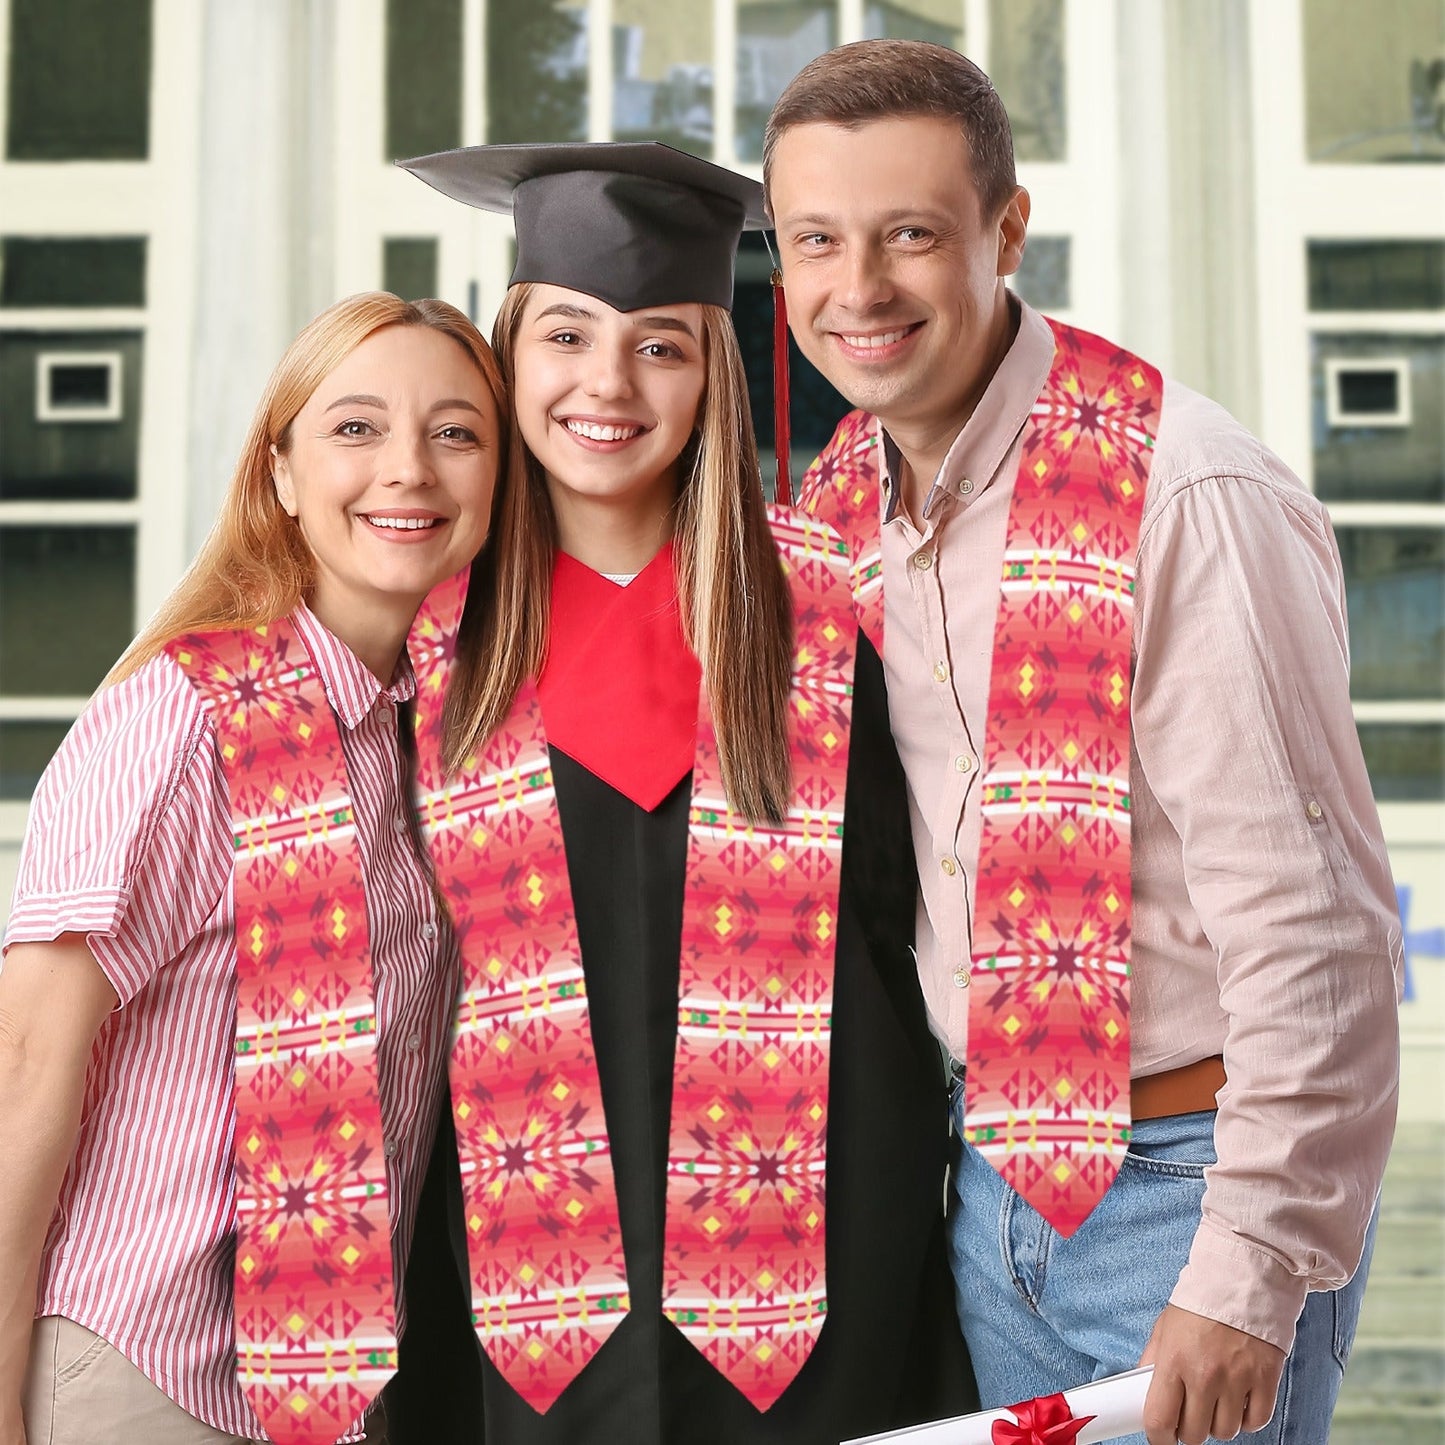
[
  {"x": 423, "y": 77},
  {"x": 409, "y": 266},
  {"x": 776, "y": 39},
  {"x": 72, "y": 271},
  {"x": 662, "y": 73},
  {"x": 536, "y": 58},
  {"x": 79, "y": 80}
]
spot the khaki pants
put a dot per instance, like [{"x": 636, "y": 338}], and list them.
[{"x": 81, "y": 1391}]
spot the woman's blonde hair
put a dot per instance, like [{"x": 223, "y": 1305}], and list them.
[
  {"x": 255, "y": 566},
  {"x": 736, "y": 608}
]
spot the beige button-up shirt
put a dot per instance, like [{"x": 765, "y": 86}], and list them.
[{"x": 1264, "y": 925}]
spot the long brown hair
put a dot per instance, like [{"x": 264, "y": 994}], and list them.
[
  {"x": 735, "y": 603},
  {"x": 255, "y": 566}
]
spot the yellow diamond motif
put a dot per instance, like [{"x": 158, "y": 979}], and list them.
[
  {"x": 778, "y": 862},
  {"x": 830, "y": 632},
  {"x": 560, "y": 1090},
  {"x": 1116, "y": 689},
  {"x": 475, "y": 1223},
  {"x": 1080, "y": 531},
  {"x": 716, "y": 1112},
  {"x": 771, "y": 1058},
  {"x": 1039, "y": 468},
  {"x": 1112, "y": 1029},
  {"x": 305, "y": 730},
  {"x": 574, "y": 1206},
  {"x": 247, "y": 1265},
  {"x": 712, "y": 1224},
  {"x": 830, "y": 740},
  {"x": 1063, "y": 1089},
  {"x": 527, "y": 1273},
  {"x": 464, "y": 1110},
  {"x": 765, "y": 1279},
  {"x": 764, "y": 1352},
  {"x": 1111, "y": 901},
  {"x": 1011, "y": 1025},
  {"x": 495, "y": 966},
  {"x": 824, "y": 929},
  {"x": 774, "y": 986},
  {"x": 318, "y": 1226},
  {"x": 1017, "y": 896},
  {"x": 253, "y": 1143},
  {"x": 338, "y": 919},
  {"x": 294, "y": 1323},
  {"x": 534, "y": 889},
  {"x": 1061, "y": 1172},
  {"x": 299, "y": 1403},
  {"x": 1075, "y": 612},
  {"x": 723, "y": 923},
  {"x": 298, "y": 997},
  {"x": 298, "y": 1076},
  {"x": 1071, "y": 750},
  {"x": 815, "y": 1113},
  {"x": 1127, "y": 487},
  {"x": 258, "y": 939},
  {"x": 503, "y": 1043},
  {"x": 350, "y": 1254},
  {"x": 278, "y": 793},
  {"x": 1070, "y": 832},
  {"x": 811, "y": 1219},
  {"x": 1026, "y": 679},
  {"x": 229, "y": 752},
  {"x": 535, "y": 1350},
  {"x": 479, "y": 836}
]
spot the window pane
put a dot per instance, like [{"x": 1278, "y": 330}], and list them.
[
  {"x": 67, "y": 604},
  {"x": 1377, "y": 275},
  {"x": 1043, "y": 278},
  {"x": 66, "y": 460},
  {"x": 776, "y": 39},
  {"x": 536, "y": 71},
  {"x": 25, "y": 749},
  {"x": 1400, "y": 458},
  {"x": 423, "y": 76},
  {"x": 1395, "y": 586},
  {"x": 80, "y": 80},
  {"x": 938, "y": 21},
  {"x": 1373, "y": 80},
  {"x": 1406, "y": 761},
  {"x": 50, "y": 271},
  {"x": 409, "y": 266},
  {"x": 662, "y": 66},
  {"x": 1026, "y": 64}
]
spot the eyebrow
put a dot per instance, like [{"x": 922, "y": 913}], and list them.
[
  {"x": 573, "y": 312},
  {"x": 362, "y": 399}
]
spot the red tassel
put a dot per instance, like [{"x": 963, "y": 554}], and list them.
[{"x": 782, "y": 430}]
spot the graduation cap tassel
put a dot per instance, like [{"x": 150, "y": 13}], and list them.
[{"x": 782, "y": 433}]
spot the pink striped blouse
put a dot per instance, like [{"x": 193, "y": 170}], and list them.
[{"x": 129, "y": 843}]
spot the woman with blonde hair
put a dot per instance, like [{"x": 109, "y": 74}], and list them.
[
  {"x": 227, "y": 981},
  {"x": 694, "y": 1163}
]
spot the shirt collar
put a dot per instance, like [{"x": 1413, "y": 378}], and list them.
[
  {"x": 978, "y": 451},
  {"x": 351, "y": 687}
]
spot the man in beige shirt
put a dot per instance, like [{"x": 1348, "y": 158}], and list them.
[{"x": 1264, "y": 932}]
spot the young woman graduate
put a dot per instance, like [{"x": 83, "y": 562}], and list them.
[
  {"x": 227, "y": 986},
  {"x": 694, "y": 1192}
]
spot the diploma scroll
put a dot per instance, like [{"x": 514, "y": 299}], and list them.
[{"x": 1115, "y": 1404}]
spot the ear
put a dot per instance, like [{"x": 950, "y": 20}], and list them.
[
  {"x": 1013, "y": 224},
  {"x": 281, "y": 480}
]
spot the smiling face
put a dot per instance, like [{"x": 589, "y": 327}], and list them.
[
  {"x": 893, "y": 271},
  {"x": 606, "y": 400},
  {"x": 389, "y": 470}
]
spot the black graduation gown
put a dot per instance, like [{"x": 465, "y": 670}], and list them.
[{"x": 890, "y": 1352}]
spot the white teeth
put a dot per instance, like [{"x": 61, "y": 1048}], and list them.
[
  {"x": 875, "y": 343},
  {"x": 405, "y": 524},
  {"x": 596, "y": 432}
]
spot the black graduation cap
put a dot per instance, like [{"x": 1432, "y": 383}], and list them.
[{"x": 633, "y": 223}]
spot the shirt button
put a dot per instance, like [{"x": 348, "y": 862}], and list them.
[
  {"x": 923, "y": 560},
  {"x": 428, "y": 930},
  {"x": 948, "y": 866},
  {"x": 413, "y": 1043},
  {"x": 389, "y": 1148},
  {"x": 399, "y": 823},
  {"x": 960, "y": 978},
  {"x": 965, "y": 487},
  {"x": 940, "y": 672},
  {"x": 963, "y": 762},
  {"x": 1315, "y": 811}
]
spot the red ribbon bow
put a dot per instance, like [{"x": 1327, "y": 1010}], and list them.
[{"x": 1045, "y": 1421}]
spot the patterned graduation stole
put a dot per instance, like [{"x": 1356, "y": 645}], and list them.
[
  {"x": 314, "y": 1304},
  {"x": 744, "y": 1274},
  {"x": 1048, "y": 1035}
]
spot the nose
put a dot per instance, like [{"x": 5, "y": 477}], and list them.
[
  {"x": 407, "y": 459},
  {"x": 864, "y": 282},
  {"x": 608, "y": 374}
]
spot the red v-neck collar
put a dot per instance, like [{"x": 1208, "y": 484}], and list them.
[{"x": 619, "y": 691}]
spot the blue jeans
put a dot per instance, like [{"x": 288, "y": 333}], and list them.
[{"x": 1042, "y": 1313}]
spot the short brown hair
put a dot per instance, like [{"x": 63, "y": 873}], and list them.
[{"x": 878, "y": 79}]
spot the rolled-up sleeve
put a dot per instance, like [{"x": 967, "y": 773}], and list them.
[
  {"x": 128, "y": 840},
  {"x": 1245, "y": 736}
]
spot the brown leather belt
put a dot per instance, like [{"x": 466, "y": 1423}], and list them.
[{"x": 1185, "y": 1090}]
